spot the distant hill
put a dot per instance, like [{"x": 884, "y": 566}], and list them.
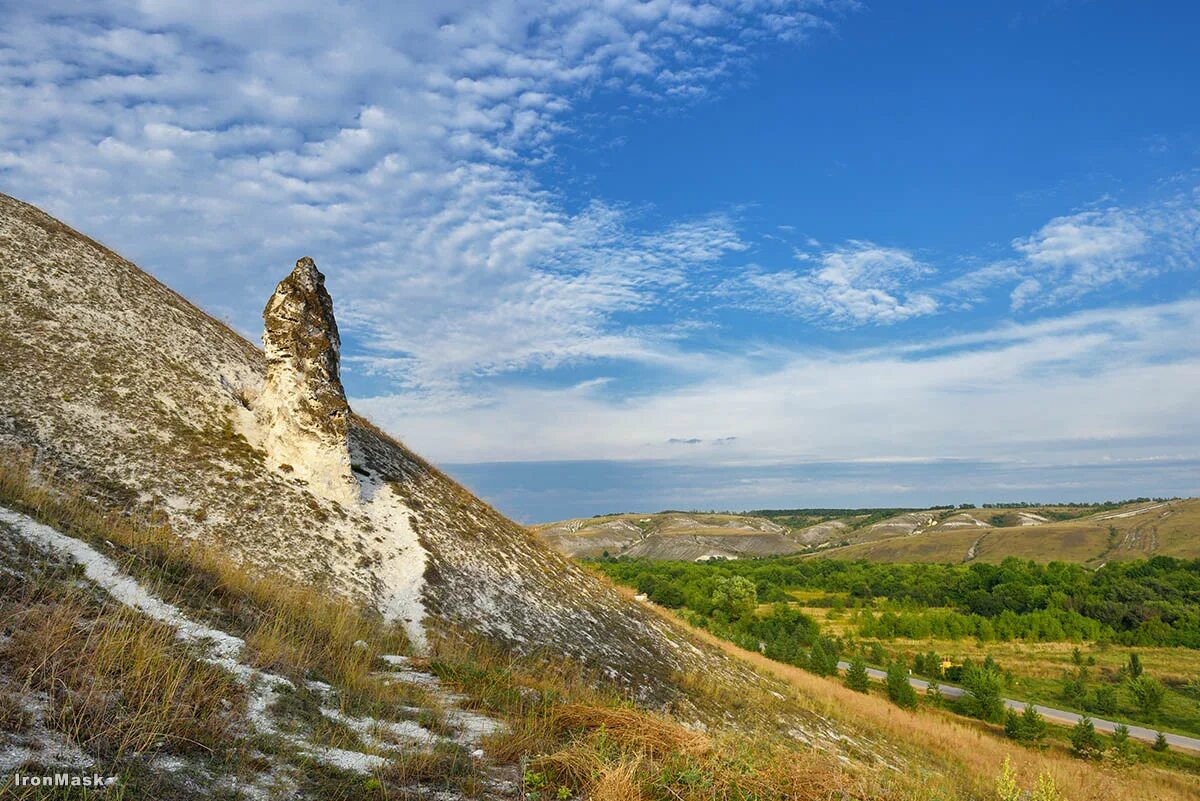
[
  {"x": 1073, "y": 533},
  {"x": 1133, "y": 531},
  {"x": 669, "y": 535}
]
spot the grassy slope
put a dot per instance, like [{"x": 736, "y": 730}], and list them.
[
  {"x": 1168, "y": 531},
  {"x": 673, "y": 535}
]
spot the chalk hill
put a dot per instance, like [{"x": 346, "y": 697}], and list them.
[{"x": 111, "y": 380}]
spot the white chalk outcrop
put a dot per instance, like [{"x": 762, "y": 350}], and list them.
[{"x": 302, "y": 409}]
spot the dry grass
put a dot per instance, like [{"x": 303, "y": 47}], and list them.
[
  {"x": 649, "y": 734},
  {"x": 118, "y": 682},
  {"x": 618, "y": 783},
  {"x": 574, "y": 737},
  {"x": 14, "y": 717}
]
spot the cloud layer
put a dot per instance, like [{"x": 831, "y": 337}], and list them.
[{"x": 392, "y": 142}]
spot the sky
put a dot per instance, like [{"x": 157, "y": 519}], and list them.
[{"x": 616, "y": 255}]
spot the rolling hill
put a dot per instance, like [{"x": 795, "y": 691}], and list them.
[
  {"x": 1086, "y": 536},
  {"x": 669, "y": 535},
  {"x": 1135, "y": 531}
]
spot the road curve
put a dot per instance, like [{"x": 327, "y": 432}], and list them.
[{"x": 1054, "y": 715}]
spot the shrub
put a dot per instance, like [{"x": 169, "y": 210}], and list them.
[
  {"x": 1104, "y": 700},
  {"x": 1160, "y": 743}
]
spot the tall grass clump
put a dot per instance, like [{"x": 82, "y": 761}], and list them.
[{"x": 116, "y": 681}]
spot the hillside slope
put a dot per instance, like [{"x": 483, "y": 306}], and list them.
[
  {"x": 1135, "y": 531},
  {"x": 111, "y": 380},
  {"x": 669, "y": 535},
  {"x": 1130, "y": 531}
]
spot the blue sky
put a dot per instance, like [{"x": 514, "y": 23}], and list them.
[{"x": 635, "y": 255}]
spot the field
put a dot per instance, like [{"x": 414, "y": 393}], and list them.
[{"x": 966, "y": 747}]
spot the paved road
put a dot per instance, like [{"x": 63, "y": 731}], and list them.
[{"x": 1055, "y": 715}]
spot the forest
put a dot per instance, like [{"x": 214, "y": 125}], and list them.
[{"x": 1153, "y": 602}]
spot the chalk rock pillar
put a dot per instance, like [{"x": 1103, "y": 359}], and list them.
[{"x": 302, "y": 408}]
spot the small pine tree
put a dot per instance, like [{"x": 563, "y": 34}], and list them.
[
  {"x": 1012, "y": 725},
  {"x": 878, "y": 657},
  {"x": 1160, "y": 743},
  {"x": 899, "y": 691},
  {"x": 1121, "y": 749},
  {"x": 1033, "y": 725},
  {"x": 1133, "y": 668},
  {"x": 856, "y": 675},
  {"x": 1148, "y": 694},
  {"x": 1085, "y": 743},
  {"x": 822, "y": 658},
  {"x": 985, "y": 692}
]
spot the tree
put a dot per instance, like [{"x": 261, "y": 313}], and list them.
[
  {"x": 985, "y": 692},
  {"x": 736, "y": 596},
  {"x": 1121, "y": 750},
  {"x": 856, "y": 675},
  {"x": 822, "y": 659},
  {"x": 878, "y": 657},
  {"x": 899, "y": 691},
  {"x": 1160, "y": 743},
  {"x": 1133, "y": 668},
  {"x": 1148, "y": 694},
  {"x": 1012, "y": 725},
  {"x": 1104, "y": 700},
  {"x": 1085, "y": 743}
]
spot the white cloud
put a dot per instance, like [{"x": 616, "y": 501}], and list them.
[
  {"x": 858, "y": 283},
  {"x": 1081, "y": 253},
  {"x": 1121, "y": 382},
  {"x": 1092, "y": 251}
]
